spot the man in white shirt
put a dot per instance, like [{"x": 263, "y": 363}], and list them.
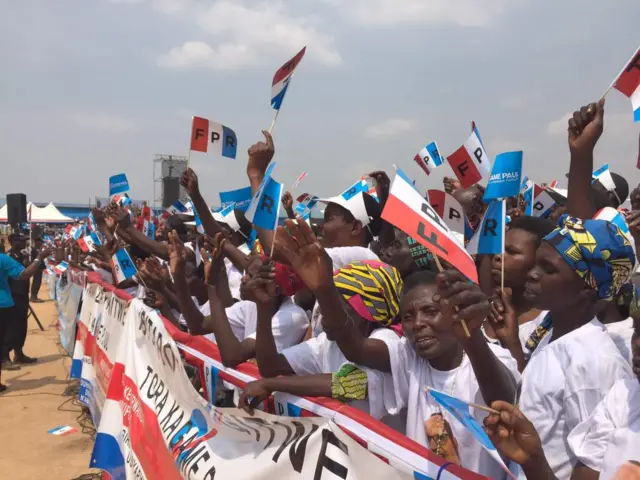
[{"x": 579, "y": 267}]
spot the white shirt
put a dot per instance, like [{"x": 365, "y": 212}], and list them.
[
  {"x": 411, "y": 374},
  {"x": 341, "y": 257},
  {"x": 289, "y": 324},
  {"x": 320, "y": 355},
  {"x": 621, "y": 333},
  {"x": 611, "y": 435},
  {"x": 235, "y": 278},
  {"x": 563, "y": 383}
]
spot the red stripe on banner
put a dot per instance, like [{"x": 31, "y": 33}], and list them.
[
  {"x": 464, "y": 168},
  {"x": 437, "y": 199},
  {"x": 146, "y": 438},
  {"x": 200, "y": 134},
  {"x": 630, "y": 77},
  {"x": 409, "y": 221},
  {"x": 288, "y": 68}
]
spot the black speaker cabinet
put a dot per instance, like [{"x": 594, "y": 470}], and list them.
[
  {"x": 16, "y": 208},
  {"x": 170, "y": 191}
]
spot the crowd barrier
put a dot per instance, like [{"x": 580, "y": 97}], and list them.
[{"x": 152, "y": 423}]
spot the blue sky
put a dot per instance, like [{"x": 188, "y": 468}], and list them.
[{"x": 91, "y": 88}]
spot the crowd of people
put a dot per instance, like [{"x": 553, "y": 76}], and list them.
[{"x": 359, "y": 311}]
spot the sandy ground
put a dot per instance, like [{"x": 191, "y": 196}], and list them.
[{"x": 33, "y": 404}]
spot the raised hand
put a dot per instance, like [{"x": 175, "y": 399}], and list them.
[
  {"x": 121, "y": 217},
  {"x": 177, "y": 254},
  {"x": 257, "y": 391},
  {"x": 261, "y": 288},
  {"x": 44, "y": 253},
  {"x": 213, "y": 258},
  {"x": 513, "y": 434},
  {"x": 633, "y": 220},
  {"x": 300, "y": 247},
  {"x": 260, "y": 154},
  {"x": 287, "y": 201},
  {"x": 151, "y": 272},
  {"x": 189, "y": 181},
  {"x": 585, "y": 127},
  {"x": 503, "y": 317},
  {"x": 451, "y": 185},
  {"x": 460, "y": 300},
  {"x": 382, "y": 183}
]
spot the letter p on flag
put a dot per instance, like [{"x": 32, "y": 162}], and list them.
[
  {"x": 223, "y": 140},
  {"x": 470, "y": 162}
]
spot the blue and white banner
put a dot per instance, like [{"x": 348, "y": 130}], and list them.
[
  {"x": 504, "y": 181},
  {"x": 489, "y": 238},
  {"x": 118, "y": 184}
]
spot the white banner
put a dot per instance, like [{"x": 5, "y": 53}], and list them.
[
  {"x": 153, "y": 424},
  {"x": 69, "y": 288}
]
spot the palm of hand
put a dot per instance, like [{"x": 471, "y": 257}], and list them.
[{"x": 313, "y": 265}]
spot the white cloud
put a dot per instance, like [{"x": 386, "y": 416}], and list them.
[
  {"x": 559, "y": 126},
  {"x": 248, "y": 34},
  {"x": 101, "y": 123},
  {"x": 389, "y": 128},
  {"x": 393, "y": 12}
]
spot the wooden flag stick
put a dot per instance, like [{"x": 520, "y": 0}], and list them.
[{"x": 440, "y": 269}]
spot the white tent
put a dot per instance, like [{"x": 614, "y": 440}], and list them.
[{"x": 48, "y": 214}]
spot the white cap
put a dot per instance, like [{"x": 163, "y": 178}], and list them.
[{"x": 355, "y": 204}]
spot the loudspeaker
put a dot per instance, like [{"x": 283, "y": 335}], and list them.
[
  {"x": 16, "y": 208},
  {"x": 170, "y": 191}
]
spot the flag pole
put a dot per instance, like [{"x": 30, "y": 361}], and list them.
[
  {"x": 620, "y": 73},
  {"x": 440, "y": 269}
]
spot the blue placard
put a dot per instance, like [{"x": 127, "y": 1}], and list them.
[
  {"x": 241, "y": 197},
  {"x": 118, "y": 184},
  {"x": 505, "y": 176}
]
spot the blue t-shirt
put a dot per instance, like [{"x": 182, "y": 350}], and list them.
[{"x": 9, "y": 268}]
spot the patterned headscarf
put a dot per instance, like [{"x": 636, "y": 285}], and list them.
[
  {"x": 372, "y": 289},
  {"x": 597, "y": 250}
]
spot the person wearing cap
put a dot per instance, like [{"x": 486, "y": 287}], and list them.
[
  {"x": 580, "y": 267},
  {"x": 12, "y": 270}
]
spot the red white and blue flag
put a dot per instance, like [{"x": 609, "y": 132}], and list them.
[
  {"x": 122, "y": 266},
  {"x": 282, "y": 78},
  {"x": 628, "y": 83},
  {"x": 470, "y": 162},
  {"x": 300, "y": 178},
  {"x": 223, "y": 140},
  {"x": 89, "y": 242},
  {"x": 61, "y": 268},
  {"x": 428, "y": 158}
]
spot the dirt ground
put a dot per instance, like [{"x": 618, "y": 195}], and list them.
[{"x": 33, "y": 404}]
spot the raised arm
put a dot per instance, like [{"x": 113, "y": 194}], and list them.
[
  {"x": 287, "y": 203},
  {"x": 301, "y": 248},
  {"x": 33, "y": 268},
  {"x": 460, "y": 299},
  {"x": 124, "y": 227},
  {"x": 189, "y": 181},
  {"x": 585, "y": 128},
  {"x": 232, "y": 350}
]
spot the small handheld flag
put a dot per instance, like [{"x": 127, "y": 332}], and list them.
[
  {"x": 241, "y": 198},
  {"x": 429, "y": 158},
  {"x": 122, "y": 266},
  {"x": 282, "y": 78},
  {"x": 122, "y": 200},
  {"x": 505, "y": 176},
  {"x": 489, "y": 238},
  {"x": 175, "y": 209},
  {"x": 460, "y": 410},
  {"x": 300, "y": 178},
  {"x": 449, "y": 210},
  {"x": 223, "y": 140},
  {"x": 411, "y": 213},
  {"x": 61, "y": 268},
  {"x": 306, "y": 204},
  {"x": 265, "y": 210},
  {"x": 470, "y": 162},
  {"x": 628, "y": 83},
  {"x": 89, "y": 242},
  {"x": 62, "y": 431},
  {"x": 118, "y": 184}
]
